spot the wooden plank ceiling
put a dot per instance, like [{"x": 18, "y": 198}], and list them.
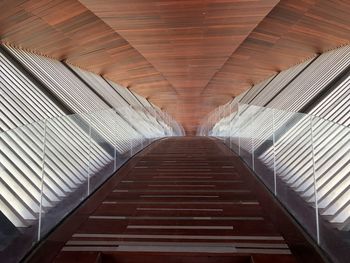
[
  {"x": 188, "y": 41},
  {"x": 186, "y": 56}
]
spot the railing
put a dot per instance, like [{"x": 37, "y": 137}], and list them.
[
  {"x": 304, "y": 160},
  {"x": 49, "y": 167}
]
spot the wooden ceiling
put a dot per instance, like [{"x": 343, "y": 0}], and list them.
[
  {"x": 187, "y": 40},
  {"x": 186, "y": 56},
  {"x": 67, "y": 30},
  {"x": 292, "y": 32}
]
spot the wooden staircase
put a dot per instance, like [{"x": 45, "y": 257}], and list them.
[{"x": 184, "y": 201}]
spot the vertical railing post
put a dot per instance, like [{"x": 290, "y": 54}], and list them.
[
  {"x": 131, "y": 146},
  {"x": 238, "y": 129},
  {"x": 274, "y": 152},
  {"x": 42, "y": 180},
  {"x": 231, "y": 128},
  {"x": 252, "y": 140},
  {"x": 222, "y": 113},
  {"x": 168, "y": 129},
  {"x": 115, "y": 143},
  {"x": 115, "y": 158},
  {"x": 315, "y": 179},
  {"x": 229, "y": 108},
  {"x": 217, "y": 118},
  {"x": 89, "y": 157},
  {"x": 228, "y": 124},
  {"x": 218, "y": 115}
]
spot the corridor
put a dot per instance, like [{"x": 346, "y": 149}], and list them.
[{"x": 188, "y": 199}]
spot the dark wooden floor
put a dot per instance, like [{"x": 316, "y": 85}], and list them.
[{"x": 182, "y": 200}]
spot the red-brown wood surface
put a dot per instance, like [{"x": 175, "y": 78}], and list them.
[
  {"x": 187, "y": 40},
  {"x": 186, "y": 199},
  {"x": 292, "y": 32},
  {"x": 186, "y": 56},
  {"x": 67, "y": 30}
]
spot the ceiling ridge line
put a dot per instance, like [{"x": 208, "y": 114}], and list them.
[{"x": 177, "y": 94}]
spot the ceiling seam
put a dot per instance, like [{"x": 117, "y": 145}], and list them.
[
  {"x": 206, "y": 86},
  {"x": 177, "y": 94}
]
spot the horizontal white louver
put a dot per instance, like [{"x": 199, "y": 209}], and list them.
[
  {"x": 135, "y": 116},
  {"x": 312, "y": 80},
  {"x": 277, "y": 84},
  {"x": 322, "y": 86},
  {"x": 23, "y": 105},
  {"x": 255, "y": 91},
  {"x": 72, "y": 91},
  {"x": 126, "y": 94},
  {"x": 50, "y": 161},
  {"x": 335, "y": 106}
]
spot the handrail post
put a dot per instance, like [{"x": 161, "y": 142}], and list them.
[
  {"x": 131, "y": 145},
  {"x": 231, "y": 128},
  {"x": 42, "y": 179},
  {"x": 252, "y": 140},
  {"x": 115, "y": 145},
  {"x": 315, "y": 180},
  {"x": 274, "y": 152},
  {"x": 89, "y": 158},
  {"x": 115, "y": 157},
  {"x": 238, "y": 130}
]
